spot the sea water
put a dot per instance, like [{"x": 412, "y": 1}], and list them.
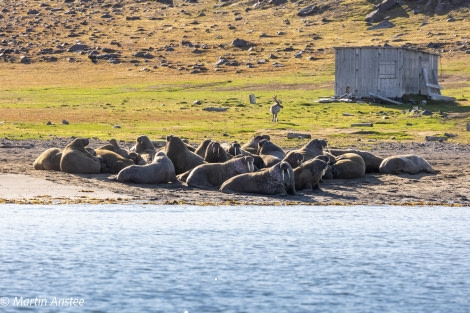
[{"x": 131, "y": 258}]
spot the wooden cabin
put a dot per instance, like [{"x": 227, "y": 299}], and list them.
[{"x": 386, "y": 72}]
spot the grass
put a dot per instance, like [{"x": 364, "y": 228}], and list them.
[{"x": 168, "y": 108}]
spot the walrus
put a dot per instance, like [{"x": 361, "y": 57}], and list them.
[
  {"x": 161, "y": 170},
  {"x": 258, "y": 161},
  {"x": 293, "y": 158},
  {"x": 183, "y": 159},
  {"x": 113, "y": 161},
  {"x": 114, "y": 146},
  {"x": 143, "y": 144},
  {"x": 213, "y": 175},
  {"x": 145, "y": 148},
  {"x": 349, "y": 165},
  {"x": 276, "y": 180},
  {"x": 252, "y": 145},
  {"x": 329, "y": 171},
  {"x": 215, "y": 153},
  {"x": 372, "y": 162},
  {"x": 309, "y": 174},
  {"x": 270, "y": 152},
  {"x": 232, "y": 148},
  {"x": 201, "y": 149},
  {"x": 136, "y": 158},
  {"x": 410, "y": 163},
  {"x": 312, "y": 148},
  {"x": 49, "y": 160},
  {"x": 190, "y": 147},
  {"x": 77, "y": 160}
]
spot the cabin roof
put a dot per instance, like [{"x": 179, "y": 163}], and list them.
[{"x": 384, "y": 47}]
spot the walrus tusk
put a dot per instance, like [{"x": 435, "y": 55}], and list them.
[{"x": 285, "y": 170}]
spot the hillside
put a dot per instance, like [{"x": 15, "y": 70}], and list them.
[{"x": 224, "y": 36}]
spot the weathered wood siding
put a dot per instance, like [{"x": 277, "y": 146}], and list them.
[
  {"x": 413, "y": 68},
  {"x": 387, "y": 71}
]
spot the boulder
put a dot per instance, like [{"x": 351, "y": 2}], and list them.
[
  {"x": 379, "y": 13},
  {"x": 241, "y": 43},
  {"x": 374, "y": 16},
  {"x": 308, "y": 10},
  {"x": 386, "y": 5},
  {"x": 77, "y": 47}
]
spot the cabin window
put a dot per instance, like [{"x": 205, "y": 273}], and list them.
[{"x": 388, "y": 69}]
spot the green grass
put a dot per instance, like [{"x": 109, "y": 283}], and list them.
[{"x": 158, "y": 110}]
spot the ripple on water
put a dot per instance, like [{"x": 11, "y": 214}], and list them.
[{"x": 124, "y": 258}]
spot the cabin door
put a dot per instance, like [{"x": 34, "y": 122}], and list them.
[{"x": 388, "y": 78}]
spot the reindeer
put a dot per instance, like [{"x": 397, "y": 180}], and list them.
[{"x": 275, "y": 108}]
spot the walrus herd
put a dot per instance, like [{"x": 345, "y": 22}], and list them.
[{"x": 259, "y": 166}]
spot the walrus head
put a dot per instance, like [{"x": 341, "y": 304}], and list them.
[
  {"x": 249, "y": 161},
  {"x": 258, "y": 138},
  {"x": 215, "y": 146},
  {"x": 255, "y": 141},
  {"x": 261, "y": 144},
  {"x": 113, "y": 142},
  {"x": 242, "y": 164},
  {"x": 215, "y": 153},
  {"x": 137, "y": 158},
  {"x": 79, "y": 143},
  {"x": 143, "y": 144},
  {"x": 319, "y": 164},
  {"x": 324, "y": 158},
  {"x": 202, "y": 148},
  {"x": 288, "y": 179},
  {"x": 317, "y": 144},
  {"x": 284, "y": 167},
  {"x": 235, "y": 149},
  {"x": 294, "y": 158},
  {"x": 174, "y": 146},
  {"x": 252, "y": 145}
]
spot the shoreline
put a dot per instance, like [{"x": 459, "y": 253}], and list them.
[{"x": 20, "y": 183}]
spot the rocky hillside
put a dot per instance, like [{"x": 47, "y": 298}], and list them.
[{"x": 196, "y": 36}]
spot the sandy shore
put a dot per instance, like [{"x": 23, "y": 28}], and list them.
[{"x": 20, "y": 183}]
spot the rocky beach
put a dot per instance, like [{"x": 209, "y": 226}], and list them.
[{"x": 21, "y": 183}]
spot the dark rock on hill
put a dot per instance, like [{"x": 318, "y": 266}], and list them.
[
  {"x": 380, "y": 11},
  {"x": 241, "y": 43},
  {"x": 440, "y": 6},
  {"x": 77, "y": 47},
  {"x": 183, "y": 35}
]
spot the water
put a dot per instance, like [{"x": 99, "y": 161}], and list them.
[{"x": 122, "y": 258}]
